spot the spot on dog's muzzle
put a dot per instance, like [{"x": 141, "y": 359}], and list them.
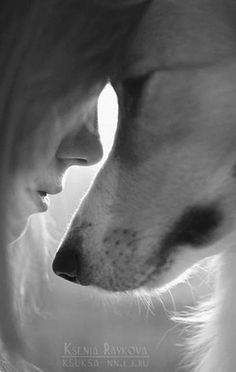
[{"x": 195, "y": 227}]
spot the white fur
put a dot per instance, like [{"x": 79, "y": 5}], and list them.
[{"x": 211, "y": 327}]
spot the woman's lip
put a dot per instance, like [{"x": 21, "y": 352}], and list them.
[
  {"x": 42, "y": 201},
  {"x": 51, "y": 190},
  {"x": 42, "y": 193}
]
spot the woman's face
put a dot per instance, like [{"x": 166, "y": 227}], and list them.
[
  {"x": 50, "y": 137},
  {"x": 50, "y": 88}
]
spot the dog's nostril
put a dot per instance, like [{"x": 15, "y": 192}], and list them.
[{"x": 67, "y": 277}]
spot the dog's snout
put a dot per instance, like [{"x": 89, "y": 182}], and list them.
[{"x": 66, "y": 264}]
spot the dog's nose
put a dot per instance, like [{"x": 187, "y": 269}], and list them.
[{"x": 66, "y": 264}]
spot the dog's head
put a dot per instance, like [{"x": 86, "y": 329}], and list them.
[{"x": 166, "y": 196}]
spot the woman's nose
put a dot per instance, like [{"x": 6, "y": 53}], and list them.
[{"x": 81, "y": 148}]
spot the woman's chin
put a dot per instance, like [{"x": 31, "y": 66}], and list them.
[{"x": 17, "y": 228}]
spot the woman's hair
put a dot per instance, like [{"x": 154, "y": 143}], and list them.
[{"x": 80, "y": 43}]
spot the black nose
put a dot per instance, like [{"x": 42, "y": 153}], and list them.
[{"x": 66, "y": 264}]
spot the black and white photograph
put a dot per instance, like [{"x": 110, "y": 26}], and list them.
[{"x": 117, "y": 185}]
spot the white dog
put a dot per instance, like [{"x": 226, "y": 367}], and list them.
[{"x": 166, "y": 196}]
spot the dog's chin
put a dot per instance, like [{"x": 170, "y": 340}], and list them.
[
  {"x": 154, "y": 279},
  {"x": 117, "y": 288},
  {"x": 110, "y": 284},
  {"x": 104, "y": 284}
]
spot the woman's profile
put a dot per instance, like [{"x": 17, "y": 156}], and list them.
[
  {"x": 48, "y": 123},
  {"x": 56, "y": 57}
]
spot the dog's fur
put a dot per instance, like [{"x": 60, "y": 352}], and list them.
[{"x": 165, "y": 197}]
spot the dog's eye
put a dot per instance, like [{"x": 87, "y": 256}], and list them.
[
  {"x": 132, "y": 90},
  {"x": 133, "y": 86}
]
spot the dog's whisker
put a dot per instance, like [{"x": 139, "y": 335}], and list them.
[{"x": 172, "y": 299}]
